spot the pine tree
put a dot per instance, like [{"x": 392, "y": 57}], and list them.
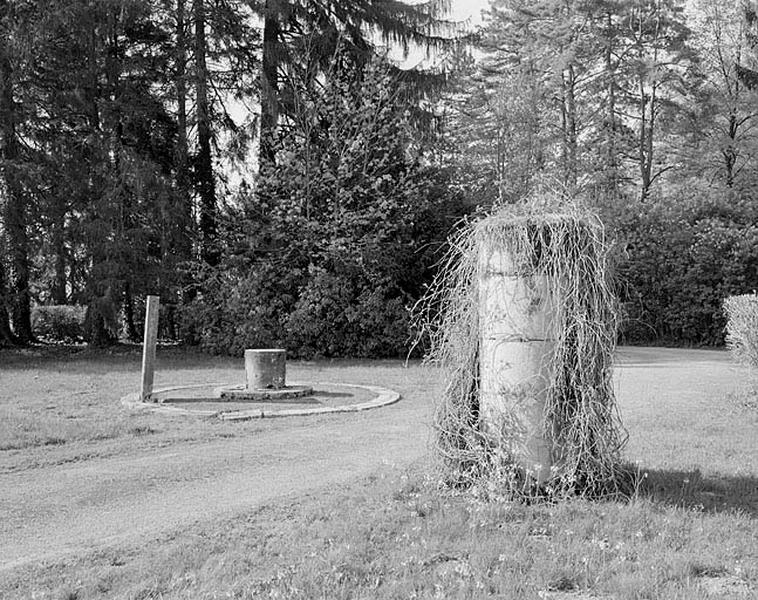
[
  {"x": 17, "y": 296},
  {"x": 307, "y": 34}
]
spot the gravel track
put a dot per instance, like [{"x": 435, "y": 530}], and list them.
[{"x": 51, "y": 511}]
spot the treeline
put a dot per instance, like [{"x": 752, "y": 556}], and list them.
[
  {"x": 264, "y": 168},
  {"x": 111, "y": 116},
  {"x": 646, "y": 109},
  {"x": 128, "y": 143}
]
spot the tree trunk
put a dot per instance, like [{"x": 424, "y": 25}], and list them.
[
  {"x": 181, "y": 242},
  {"x": 647, "y": 134},
  {"x": 59, "y": 247},
  {"x": 6, "y": 335},
  {"x": 611, "y": 127},
  {"x": 569, "y": 80},
  {"x": 15, "y": 204},
  {"x": 131, "y": 328},
  {"x": 127, "y": 223},
  {"x": 204, "y": 171},
  {"x": 730, "y": 152},
  {"x": 642, "y": 148},
  {"x": 98, "y": 292},
  {"x": 269, "y": 82}
]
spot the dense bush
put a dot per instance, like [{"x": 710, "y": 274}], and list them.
[
  {"x": 340, "y": 234},
  {"x": 344, "y": 316},
  {"x": 679, "y": 258},
  {"x": 59, "y": 323},
  {"x": 238, "y": 306},
  {"x": 742, "y": 327}
]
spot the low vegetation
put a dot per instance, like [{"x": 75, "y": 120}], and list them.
[
  {"x": 401, "y": 537},
  {"x": 688, "y": 531}
]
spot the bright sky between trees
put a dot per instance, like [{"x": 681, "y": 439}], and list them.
[
  {"x": 468, "y": 9},
  {"x": 461, "y": 11}
]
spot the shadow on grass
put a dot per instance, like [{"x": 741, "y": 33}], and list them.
[
  {"x": 116, "y": 358},
  {"x": 127, "y": 357},
  {"x": 689, "y": 489},
  {"x": 325, "y": 394}
]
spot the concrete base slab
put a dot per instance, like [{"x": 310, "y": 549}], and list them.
[{"x": 240, "y": 393}]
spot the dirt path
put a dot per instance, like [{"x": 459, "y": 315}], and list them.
[{"x": 48, "y": 512}]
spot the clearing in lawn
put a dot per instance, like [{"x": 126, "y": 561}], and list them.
[{"x": 324, "y": 519}]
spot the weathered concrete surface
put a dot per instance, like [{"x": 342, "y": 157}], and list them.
[{"x": 265, "y": 369}]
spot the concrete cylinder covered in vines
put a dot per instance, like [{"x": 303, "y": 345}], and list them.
[
  {"x": 523, "y": 317},
  {"x": 516, "y": 347}
]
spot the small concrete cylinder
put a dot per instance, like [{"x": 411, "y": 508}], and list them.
[
  {"x": 265, "y": 369},
  {"x": 516, "y": 346}
]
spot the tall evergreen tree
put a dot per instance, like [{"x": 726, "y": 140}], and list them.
[
  {"x": 308, "y": 34},
  {"x": 654, "y": 79},
  {"x": 16, "y": 200}
]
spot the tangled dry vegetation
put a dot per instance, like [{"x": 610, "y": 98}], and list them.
[
  {"x": 567, "y": 248},
  {"x": 742, "y": 328},
  {"x": 742, "y": 340}
]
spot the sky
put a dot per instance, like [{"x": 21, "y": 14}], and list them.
[
  {"x": 464, "y": 9},
  {"x": 460, "y": 10}
]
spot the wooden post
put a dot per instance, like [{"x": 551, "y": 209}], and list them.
[{"x": 148, "y": 346}]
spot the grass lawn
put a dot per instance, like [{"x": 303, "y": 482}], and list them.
[
  {"x": 689, "y": 532},
  {"x": 59, "y": 405}
]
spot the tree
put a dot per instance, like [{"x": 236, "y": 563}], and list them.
[
  {"x": 102, "y": 142},
  {"x": 725, "y": 109},
  {"x": 15, "y": 213},
  {"x": 336, "y": 241},
  {"x": 309, "y": 34},
  {"x": 106, "y": 156},
  {"x": 495, "y": 126},
  {"x": 653, "y": 79},
  {"x": 206, "y": 184},
  {"x": 536, "y": 89},
  {"x": 180, "y": 244},
  {"x": 588, "y": 85}
]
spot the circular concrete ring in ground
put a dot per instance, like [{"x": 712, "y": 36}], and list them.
[{"x": 384, "y": 397}]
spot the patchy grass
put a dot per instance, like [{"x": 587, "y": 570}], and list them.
[
  {"x": 689, "y": 532},
  {"x": 59, "y": 404},
  {"x": 397, "y": 536},
  {"x": 54, "y": 397}
]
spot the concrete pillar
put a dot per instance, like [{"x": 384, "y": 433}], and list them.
[
  {"x": 516, "y": 346},
  {"x": 265, "y": 369}
]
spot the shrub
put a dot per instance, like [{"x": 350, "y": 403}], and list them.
[
  {"x": 59, "y": 323},
  {"x": 742, "y": 327},
  {"x": 238, "y": 307},
  {"x": 679, "y": 258},
  {"x": 340, "y": 234},
  {"x": 344, "y": 316}
]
